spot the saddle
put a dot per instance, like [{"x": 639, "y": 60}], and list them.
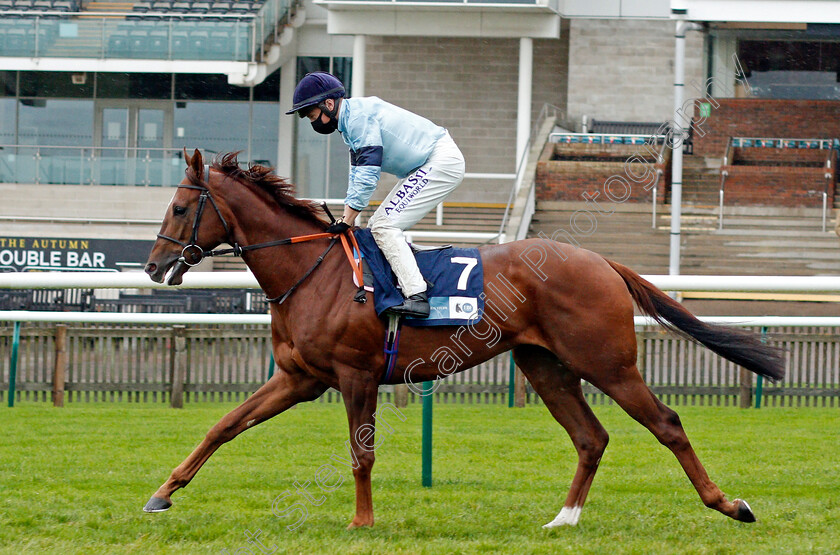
[{"x": 455, "y": 278}]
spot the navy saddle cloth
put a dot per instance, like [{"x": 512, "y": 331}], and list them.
[{"x": 457, "y": 277}]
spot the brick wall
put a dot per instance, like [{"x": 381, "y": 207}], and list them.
[
  {"x": 753, "y": 117},
  {"x": 775, "y": 186},
  {"x": 561, "y": 179},
  {"x": 755, "y": 156},
  {"x": 760, "y": 176}
]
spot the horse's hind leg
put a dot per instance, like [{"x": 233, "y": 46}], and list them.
[
  {"x": 628, "y": 389},
  {"x": 562, "y": 394},
  {"x": 281, "y": 392}
]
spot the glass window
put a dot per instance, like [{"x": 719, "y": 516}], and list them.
[
  {"x": 268, "y": 90},
  {"x": 208, "y": 87},
  {"x": 321, "y": 161},
  {"x": 51, "y": 84},
  {"x": 8, "y": 83},
  {"x": 8, "y": 121},
  {"x": 55, "y": 122},
  {"x": 134, "y": 85},
  {"x": 264, "y": 134},
  {"x": 212, "y": 126},
  {"x": 792, "y": 69}
]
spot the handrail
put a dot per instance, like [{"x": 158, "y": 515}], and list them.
[
  {"x": 264, "y": 22},
  {"x": 777, "y": 142},
  {"x": 92, "y": 15},
  {"x": 660, "y": 159},
  {"x": 723, "y": 174},
  {"x": 634, "y": 138},
  {"x": 246, "y": 280},
  {"x": 829, "y": 173},
  {"x": 783, "y": 142},
  {"x": 623, "y": 138},
  {"x": 547, "y": 110}
]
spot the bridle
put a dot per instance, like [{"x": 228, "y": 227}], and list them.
[{"x": 192, "y": 254}]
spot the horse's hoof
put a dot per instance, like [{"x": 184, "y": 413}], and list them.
[
  {"x": 157, "y": 505},
  {"x": 744, "y": 513},
  {"x": 358, "y": 523}
]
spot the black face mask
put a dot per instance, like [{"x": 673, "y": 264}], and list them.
[
  {"x": 325, "y": 128},
  {"x": 329, "y": 127}
]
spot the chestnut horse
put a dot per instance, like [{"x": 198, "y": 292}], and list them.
[{"x": 567, "y": 314}]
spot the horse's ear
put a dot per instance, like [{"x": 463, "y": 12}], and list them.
[
  {"x": 187, "y": 157},
  {"x": 196, "y": 163}
]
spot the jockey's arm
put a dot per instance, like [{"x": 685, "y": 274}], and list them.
[{"x": 349, "y": 215}]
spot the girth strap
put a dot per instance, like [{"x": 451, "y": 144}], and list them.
[{"x": 392, "y": 344}]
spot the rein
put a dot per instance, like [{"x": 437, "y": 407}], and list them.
[{"x": 192, "y": 254}]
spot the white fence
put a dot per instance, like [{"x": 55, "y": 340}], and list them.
[{"x": 107, "y": 361}]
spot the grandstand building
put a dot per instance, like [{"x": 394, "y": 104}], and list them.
[{"x": 98, "y": 99}]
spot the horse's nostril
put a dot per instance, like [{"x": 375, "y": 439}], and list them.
[{"x": 151, "y": 267}]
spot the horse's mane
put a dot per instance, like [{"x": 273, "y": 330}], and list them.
[{"x": 261, "y": 176}]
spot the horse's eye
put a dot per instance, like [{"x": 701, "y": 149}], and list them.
[{"x": 179, "y": 210}]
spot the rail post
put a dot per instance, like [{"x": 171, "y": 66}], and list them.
[
  {"x": 428, "y": 405},
  {"x": 745, "y": 395},
  {"x": 179, "y": 366},
  {"x": 519, "y": 395},
  {"x": 759, "y": 382},
  {"x": 13, "y": 364},
  {"x": 60, "y": 368},
  {"x": 511, "y": 382},
  {"x": 401, "y": 395},
  {"x": 270, "y": 366}
]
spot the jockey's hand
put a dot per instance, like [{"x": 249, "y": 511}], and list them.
[{"x": 338, "y": 226}]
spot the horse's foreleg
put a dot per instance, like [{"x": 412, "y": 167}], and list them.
[
  {"x": 359, "y": 394},
  {"x": 628, "y": 389},
  {"x": 281, "y": 392},
  {"x": 562, "y": 394}
]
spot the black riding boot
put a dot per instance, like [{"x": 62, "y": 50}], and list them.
[{"x": 416, "y": 306}]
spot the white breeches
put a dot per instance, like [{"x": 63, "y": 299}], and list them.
[{"x": 412, "y": 198}]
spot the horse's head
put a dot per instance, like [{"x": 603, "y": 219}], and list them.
[{"x": 193, "y": 224}]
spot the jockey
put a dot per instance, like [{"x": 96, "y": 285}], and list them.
[{"x": 384, "y": 137}]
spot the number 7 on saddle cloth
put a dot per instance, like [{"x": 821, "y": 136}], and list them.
[{"x": 456, "y": 275}]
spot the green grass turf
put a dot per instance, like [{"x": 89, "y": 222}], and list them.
[{"x": 74, "y": 480}]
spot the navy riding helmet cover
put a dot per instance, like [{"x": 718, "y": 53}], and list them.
[{"x": 313, "y": 89}]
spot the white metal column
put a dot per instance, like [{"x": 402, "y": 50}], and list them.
[
  {"x": 680, "y": 133},
  {"x": 357, "y": 87},
  {"x": 523, "y": 108},
  {"x": 286, "y": 129}
]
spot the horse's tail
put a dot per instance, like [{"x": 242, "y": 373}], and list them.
[{"x": 740, "y": 346}]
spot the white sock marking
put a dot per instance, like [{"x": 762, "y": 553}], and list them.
[{"x": 568, "y": 516}]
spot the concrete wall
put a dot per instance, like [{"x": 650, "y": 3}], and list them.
[
  {"x": 469, "y": 86},
  {"x": 130, "y": 205},
  {"x": 624, "y": 69}
]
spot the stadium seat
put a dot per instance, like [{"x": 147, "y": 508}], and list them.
[
  {"x": 220, "y": 44},
  {"x": 18, "y": 42},
  {"x": 180, "y": 7},
  {"x": 64, "y": 6},
  {"x": 198, "y": 44},
  {"x": 158, "y": 44},
  {"x": 180, "y": 45},
  {"x": 138, "y": 40},
  {"x": 220, "y": 7},
  {"x": 118, "y": 46}
]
